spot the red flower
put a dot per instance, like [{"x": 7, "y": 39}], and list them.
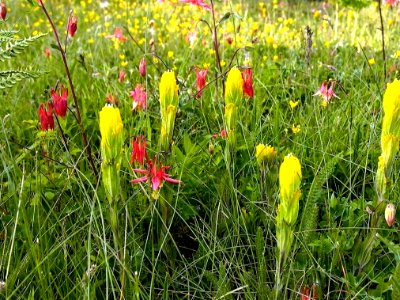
[
  {"x": 47, "y": 52},
  {"x": 118, "y": 35},
  {"x": 326, "y": 93},
  {"x": 3, "y": 11},
  {"x": 121, "y": 76},
  {"x": 139, "y": 153},
  {"x": 247, "y": 75},
  {"x": 142, "y": 67},
  {"x": 60, "y": 101},
  {"x": 46, "y": 116},
  {"x": 139, "y": 97},
  {"x": 201, "y": 75},
  {"x": 199, "y": 3},
  {"x": 72, "y": 25},
  {"x": 155, "y": 175}
]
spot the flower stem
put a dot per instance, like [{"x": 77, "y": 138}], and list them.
[{"x": 71, "y": 85}]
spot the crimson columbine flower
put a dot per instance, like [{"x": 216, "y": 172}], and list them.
[
  {"x": 46, "y": 116},
  {"x": 72, "y": 25},
  {"x": 139, "y": 153},
  {"x": 118, "y": 35},
  {"x": 3, "y": 11},
  {"x": 326, "y": 93},
  {"x": 60, "y": 101},
  {"x": 201, "y": 75},
  {"x": 121, "y": 76},
  {"x": 139, "y": 97},
  {"x": 247, "y": 75},
  {"x": 199, "y": 3},
  {"x": 155, "y": 175},
  {"x": 142, "y": 67}
]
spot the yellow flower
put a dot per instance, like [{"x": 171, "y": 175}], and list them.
[
  {"x": 264, "y": 153},
  {"x": 275, "y": 58},
  {"x": 111, "y": 125},
  {"x": 168, "y": 90},
  {"x": 170, "y": 54},
  {"x": 371, "y": 61},
  {"x": 293, "y": 104},
  {"x": 234, "y": 86},
  {"x": 391, "y": 109},
  {"x": 390, "y": 146},
  {"x": 295, "y": 129},
  {"x": 289, "y": 184}
]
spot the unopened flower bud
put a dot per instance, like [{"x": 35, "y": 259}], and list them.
[
  {"x": 390, "y": 214},
  {"x": 72, "y": 25},
  {"x": 3, "y": 11},
  {"x": 142, "y": 67}
]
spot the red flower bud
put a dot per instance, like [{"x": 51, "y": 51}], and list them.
[
  {"x": 72, "y": 25},
  {"x": 390, "y": 214},
  {"x": 60, "y": 101},
  {"x": 3, "y": 11},
  {"x": 46, "y": 117},
  {"x": 247, "y": 76},
  {"x": 201, "y": 75},
  {"x": 139, "y": 153},
  {"x": 121, "y": 76},
  {"x": 142, "y": 67}
]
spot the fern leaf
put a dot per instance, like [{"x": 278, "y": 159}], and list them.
[
  {"x": 16, "y": 46},
  {"x": 11, "y": 77},
  {"x": 8, "y": 33},
  {"x": 396, "y": 283},
  {"x": 309, "y": 217}
]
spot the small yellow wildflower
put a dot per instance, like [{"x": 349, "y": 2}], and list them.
[
  {"x": 293, "y": 104},
  {"x": 170, "y": 54},
  {"x": 124, "y": 63},
  {"x": 371, "y": 61},
  {"x": 275, "y": 58},
  {"x": 296, "y": 129}
]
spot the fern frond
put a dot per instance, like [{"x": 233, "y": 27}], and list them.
[
  {"x": 8, "y": 33},
  {"x": 308, "y": 222},
  {"x": 396, "y": 283},
  {"x": 16, "y": 46},
  {"x": 11, "y": 77}
]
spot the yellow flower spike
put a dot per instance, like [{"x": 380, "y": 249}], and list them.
[
  {"x": 111, "y": 130},
  {"x": 264, "y": 153},
  {"x": 234, "y": 87},
  {"x": 111, "y": 125},
  {"x": 391, "y": 109},
  {"x": 390, "y": 146},
  {"x": 168, "y": 90},
  {"x": 289, "y": 184}
]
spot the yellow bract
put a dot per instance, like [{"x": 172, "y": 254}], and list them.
[
  {"x": 289, "y": 177},
  {"x": 168, "y": 90},
  {"x": 110, "y": 123},
  {"x": 391, "y": 107},
  {"x": 233, "y": 86}
]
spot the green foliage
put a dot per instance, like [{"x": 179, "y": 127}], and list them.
[
  {"x": 358, "y": 4},
  {"x": 10, "y": 78},
  {"x": 308, "y": 223},
  {"x": 10, "y": 47}
]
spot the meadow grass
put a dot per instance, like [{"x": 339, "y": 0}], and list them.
[{"x": 214, "y": 235}]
